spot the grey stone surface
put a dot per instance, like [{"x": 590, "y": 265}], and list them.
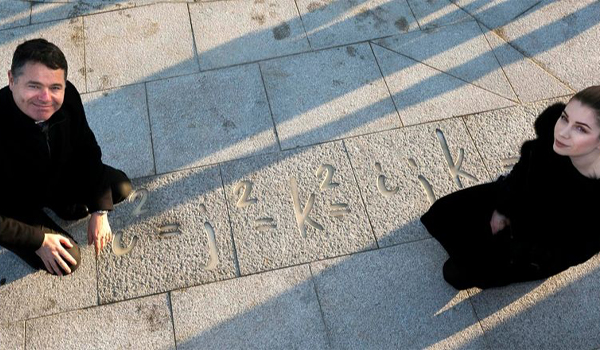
[
  {"x": 210, "y": 117},
  {"x": 558, "y": 35},
  {"x": 495, "y": 13},
  {"x": 41, "y": 12},
  {"x": 119, "y": 119},
  {"x": 424, "y": 94},
  {"x": 529, "y": 81},
  {"x": 499, "y": 134},
  {"x": 183, "y": 237},
  {"x": 273, "y": 310},
  {"x": 265, "y": 222},
  {"x": 232, "y": 32},
  {"x": 12, "y": 336},
  {"x": 395, "y": 191},
  {"x": 68, "y": 35},
  {"x": 436, "y": 13},
  {"x": 14, "y": 14},
  {"x": 28, "y": 293},
  {"x": 535, "y": 315},
  {"x": 135, "y": 324},
  {"x": 331, "y": 23},
  {"x": 460, "y": 50},
  {"x": 328, "y": 95},
  {"x": 138, "y": 44},
  {"x": 395, "y": 298}
]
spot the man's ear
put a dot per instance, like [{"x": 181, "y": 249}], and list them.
[{"x": 11, "y": 80}]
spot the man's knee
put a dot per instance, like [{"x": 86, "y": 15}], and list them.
[
  {"x": 121, "y": 190},
  {"x": 76, "y": 254}
]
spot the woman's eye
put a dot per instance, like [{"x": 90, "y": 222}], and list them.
[{"x": 581, "y": 129}]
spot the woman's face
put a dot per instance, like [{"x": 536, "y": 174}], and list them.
[{"x": 576, "y": 132}]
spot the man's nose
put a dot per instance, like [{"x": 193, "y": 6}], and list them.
[{"x": 44, "y": 95}]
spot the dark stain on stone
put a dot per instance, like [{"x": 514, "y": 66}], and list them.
[
  {"x": 351, "y": 51},
  {"x": 81, "y": 71},
  {"x": 228, "y": 124},
  {"x": 104, "y": 82},
  {"x": 402, "y": 24},
  {"x": 337, "y": 82},
  {"x": 77, "y": 36},
  {"x": 2, "y": 281},
  {"x": 377, "y": 15},
  {"x": 282, "y": 31},
  {"x": 105, "y": 94},
  {"x": 260, "y": 18},
  {"x": 500, "y": 33},
  {"x": 152, "y": 315},
  {"x": 431, "y": 1},
  {"x": 259, "y": 1},
  {"x": 315, "y": 6}
]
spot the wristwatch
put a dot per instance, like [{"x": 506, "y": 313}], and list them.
[{"x": 101, "y": 212}]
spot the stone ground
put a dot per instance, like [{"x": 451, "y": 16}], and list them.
[{"x": 282, "y": 152}]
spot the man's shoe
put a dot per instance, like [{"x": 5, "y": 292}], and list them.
[{"x": 71, "y": 211}]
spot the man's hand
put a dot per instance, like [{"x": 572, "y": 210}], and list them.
[
  {"x": 498, "y": 222},
  {"x": 52, "y": 253},
  {"x": 99, "y": 231}
]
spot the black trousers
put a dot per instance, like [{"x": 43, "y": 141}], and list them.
[
  {"x": 120, "y": 186},
  {"x": 460, "y": 221}
]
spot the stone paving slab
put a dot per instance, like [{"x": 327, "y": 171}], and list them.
[
  {"x": 43, "y": 12},
  {"x": 437, "y": 13},
  {"x": 138, "y": 44},
  {"x": 172, "y": 233},
  {"x": 295, "y": 207},
  {"x": 274, "y": 310},
  {"x": 328, "y": 95},
  {"x": 460, "y": 50},
  {"x": 12, "y": 336},
  {"x": 423, "y": 94},
  {"x": 14, "y": 14},
  {"x": 119, "y": 119},
  {"x": 401, "y": 172},
  {"x": 495, "y": 13},
  {"x": 233, "y": 32},
  {"x": 395, "y": 298},
  {"x": 558, "y": 36},
  {"x": 331, "y": 23},
  {"x": 529, "y": 81},
  {"x": 210, "y": 117},
  {"x": 144, "y": 323},
  {"x": 500, "y": 134},
  {"x": 534, "y": 315},
  {"x": 28, "y": 293},
  {"x": 68, "y": 35}
]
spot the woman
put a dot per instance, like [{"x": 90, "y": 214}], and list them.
[{"x": 541, "y": 218}]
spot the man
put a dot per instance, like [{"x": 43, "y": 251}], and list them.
[{"x": 49, "y": 157}]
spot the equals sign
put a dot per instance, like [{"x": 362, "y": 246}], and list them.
[
  {"x": 264, "y": 224},
  {"x": 339, "y": 209},
  {"x": 168, "y": 231}
]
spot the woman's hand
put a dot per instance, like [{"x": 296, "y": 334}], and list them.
[
  {"x": 498, "y": 222},
  {"x": 99, "y": 231}
]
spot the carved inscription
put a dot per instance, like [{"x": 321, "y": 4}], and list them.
[
  {"x": 243, "y": 190},
  {"x": 424, "y": 182},
  {"x": 328, "y": 181},
  {"x": 381, "y": 183},
  {"x": 455, "y": 170},
  {"x": 302, "y": 214}
]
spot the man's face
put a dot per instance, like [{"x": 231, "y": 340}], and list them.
[{"x": 39, "y": 91}]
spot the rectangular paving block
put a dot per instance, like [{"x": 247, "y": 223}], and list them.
[
  {"x": 295, "y": 207},
  {"x": 500, "y": 134},
  {"x": 209, "y": 118},
  {"x": 328, "y": 95},
  {"x": 54, "y": 11},
  {"x": 119, "y": 119},
  {"x": 437, "y": 13},
  {"x": 273, "y": 310},
  {"x": 138, "y": 44},
  {"x": 171, "y": 233},
  {"x": 143, "y": 323},
  {"x": 27, "y": 293},
  {"x": 534, "y": 315},
  {"x": 461, "y": 50},
  {"x": 330, "y": 23},
  {"x": 67, "y": 35},
  {"x": 395, "y": 298},
  {"x": 495, "y": 13},
  {"x": 14, "y": 14},
  {"x": 12, "y": 336},
  {"x": 557, "y": 35},
  {"x": 424, "y": 94},
  {"x": 402, "y": 172},
  {"x": 529, "y": 81},
  {"x": 233, "y": 32}
]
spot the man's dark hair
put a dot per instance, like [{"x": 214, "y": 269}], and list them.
[{"x": 38, "y": 51}]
